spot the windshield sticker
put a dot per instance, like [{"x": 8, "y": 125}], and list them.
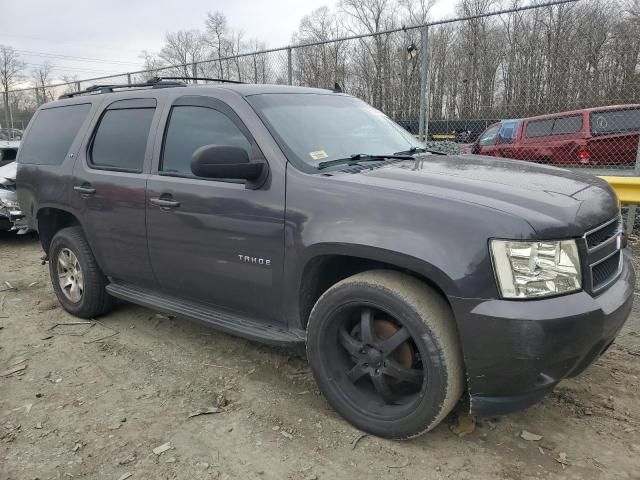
[{"x": 318, "y": 154}]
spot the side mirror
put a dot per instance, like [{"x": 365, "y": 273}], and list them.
[{"x": 225, "y": 161}]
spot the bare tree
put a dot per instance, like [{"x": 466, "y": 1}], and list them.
[
  {"x": 514, "y": 65},
  {"x": 10, "y": 73},
  {"x": 217, "y": 39},
  {"x": 182, "y": 48},
  {"x": 42, "y": 78},
  {"x": 151, "y": 64},
  {"x": 324, "y": 64}
]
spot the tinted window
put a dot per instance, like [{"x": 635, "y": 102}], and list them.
[
  {"x": 8, "y": 154},
  {"x": 615, "y": 121},
  {"x": 564, "y": 125},
  {"x": 192, "y": 127},
  {"x": 489, "y": 137},
  {"x": 52, "y": 134},
  {"x": 539, "y": 128},
  {"x": 121, "y": 139}
]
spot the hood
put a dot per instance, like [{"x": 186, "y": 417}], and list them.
[
  {"x": 557, "y": 203},
  {"x": 8, "y": 173}
]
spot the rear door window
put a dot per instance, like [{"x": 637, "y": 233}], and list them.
[
  {"x": 121, "y": 139},
  {"x": 615, "y": 121},
  {"x": 566, "y": 125},
  {"x": 52, "y": 133},
  {"x": 539, "y": 128}
]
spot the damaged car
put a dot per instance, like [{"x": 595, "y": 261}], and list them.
[
  {"x": 8, "y": 151},
  {"x": 11, "y": 217}
]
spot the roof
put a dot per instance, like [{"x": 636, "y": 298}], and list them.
[
  {"x": 244, "y": 90},
  {"x": 584, "y": 110}
]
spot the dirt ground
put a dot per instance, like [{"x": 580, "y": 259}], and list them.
[{"x": 85, "y": 406}]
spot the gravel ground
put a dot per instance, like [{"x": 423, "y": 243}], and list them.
[{"x": 86, "y": 406}]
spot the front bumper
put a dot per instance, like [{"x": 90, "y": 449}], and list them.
[{"x": 517, "y": 351}]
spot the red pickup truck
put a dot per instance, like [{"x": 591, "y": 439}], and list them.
[{"x": 595, "y": 136}]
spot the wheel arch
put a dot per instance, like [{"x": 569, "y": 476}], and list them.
[
  {"x": 330, "y": 264},
  {"x": 51, "y": 220}
]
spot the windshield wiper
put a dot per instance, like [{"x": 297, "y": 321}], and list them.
[
  {"x": 357, "y": 158},
  {"x": 413, "y": 150}
]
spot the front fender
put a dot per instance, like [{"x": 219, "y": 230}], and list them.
[
  {"x": 376, "y": 254},
  {"x": 443, "y": 240}
]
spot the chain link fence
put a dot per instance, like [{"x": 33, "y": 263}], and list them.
[{"x": 555, "y": 83}]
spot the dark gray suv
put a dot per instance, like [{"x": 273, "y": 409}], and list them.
[{"x": 418, "y": 281}]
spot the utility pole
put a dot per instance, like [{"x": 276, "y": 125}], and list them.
[{"x": 423, "y": 128}]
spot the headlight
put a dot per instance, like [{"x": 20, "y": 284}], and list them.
[{"x": 536, "y": 269}]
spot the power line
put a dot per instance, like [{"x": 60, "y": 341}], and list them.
[
  {"x": 69, "y": 69},
  {"x": 50, "y": 41},
  {"x": 71, "y": 57}
]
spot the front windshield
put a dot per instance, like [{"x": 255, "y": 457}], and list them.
[{"x": 315, "y": 128}]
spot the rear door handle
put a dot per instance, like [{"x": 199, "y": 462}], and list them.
[
  {"x": 164, "y": 202},
  {"x": 85, "y": 189}
]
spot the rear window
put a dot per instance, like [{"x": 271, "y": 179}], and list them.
[
  {"x": 539, "y": 128},
  {"x": 565, "y": 125},
  {"x": 52, "y": 134},
  {"x": 615, "y": 121}
]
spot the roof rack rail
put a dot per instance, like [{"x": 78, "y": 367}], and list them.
[
  {"x": 109, "y": 88},
  {"x": 203, "y": 79},
  {"x": 156, "y": 82}
]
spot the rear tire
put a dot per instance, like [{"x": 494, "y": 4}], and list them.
[
  {"x": 76, "y": 277},
  {"x": 384, "y": 350}
]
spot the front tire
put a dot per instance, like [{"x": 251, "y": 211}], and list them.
[
  {"x": 384, "y": 350},
  {"x": 76, "y": 277}
]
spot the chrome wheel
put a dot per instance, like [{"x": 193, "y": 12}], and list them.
[{"x": 70, "y": 275}]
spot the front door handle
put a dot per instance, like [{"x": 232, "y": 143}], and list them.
[
  {"x": 85, "y": 189},
  {"x": 164, "y": 202}
]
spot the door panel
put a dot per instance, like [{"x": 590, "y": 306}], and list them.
[
  {"x": 214, "y": 241},
  {"x": 196, "y": 248},
  {"x": 507, "y": 137},
  {"x": 487, "y": 141},
  {"x": 109, "y": 185}
]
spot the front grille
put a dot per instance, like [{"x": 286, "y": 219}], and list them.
[
  {"x": 604, "y": 258},
  {"x": 604, "y": 233},
  {"x": 603, "y": 272}
]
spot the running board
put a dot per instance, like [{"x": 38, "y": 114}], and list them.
[{"x": 222, "y": 320}]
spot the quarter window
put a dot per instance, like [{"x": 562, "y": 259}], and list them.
[
  {"x": 191, "y": 127},
  {"x": 539, "y": 128},
  {"x": 121, "y": 139},
  {"x": 52, "y": 133},
  {"x": 565, "y": 125}
]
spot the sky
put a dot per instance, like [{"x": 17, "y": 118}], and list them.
[{"x": 89, "y": 38}]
